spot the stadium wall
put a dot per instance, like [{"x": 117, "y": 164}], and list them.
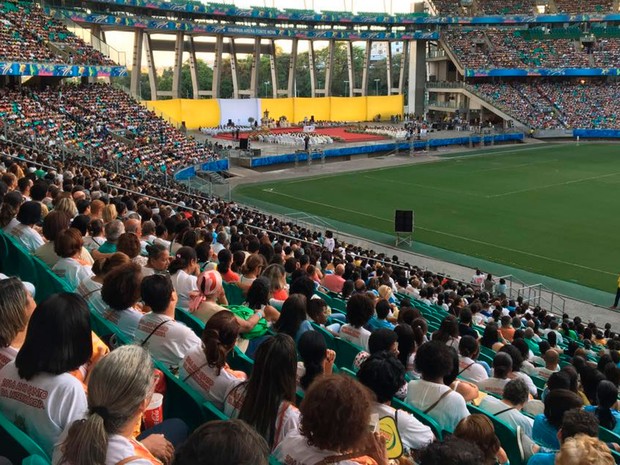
[{"x": 213, "y": 112}]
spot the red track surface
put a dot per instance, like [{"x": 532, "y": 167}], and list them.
[{"x": 348, "y": 137}]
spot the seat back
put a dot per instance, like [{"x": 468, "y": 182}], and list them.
[
  {"x": 329, "y": 337},
  {"x": 234, "y": 294},
  {"x": 506, "y": 434},
  {"x": 345, "y": 353},
  {"x": 17, "y": 445},
  {"x": 420, "y": 416}
]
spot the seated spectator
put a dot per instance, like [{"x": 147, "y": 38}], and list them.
[
  {"x": 267, "y": 400},
  {"x": 466, "y": 323},
  {"x": 95, "y": 233},
  {"x": 90, "y": 288},
  {"x": 70, "y": 267},
  {"x": 380, "y": 341},
  {"x": 406, "y": 346},
  {"x": 205, "y": 368},
  {"x": 230, "y": 442},
  {"x": 167, "y": 340},
  {"x": 452, "y": 451},
  {"x": 316, "y": 358},
  {"x": 468, "y": 390},
  {"x": 546, "y": 426},
  {"x": 252, "y": 269},
  {"x": 479, "y": 430},
  {"x": 333, "y": 282},
  {"x": 28, "y": 216},
  {"x": 16, "y": 307},
  {"x": 293, "y": 318},
  {"x": 277, "y": 280},
  {"x": 184, "y": 271},
  {"x": 384, "y": 375},
  {"x": 317, "y": 313},
  {"x": 434, "y": 361},
  {"x": 224, "y": 260},
  {"x": 121, "y": 292},
  {"x": 129, "y": 244},
  {"x": 379, "y": 320},
  {"x": 469, "y": 369},
  {"x": 491, "y": 338},
  {"x": 517, "y": 361},
  {"x": 552, "y": 361},
  {"x": 606, "y": 412},
  {"x": 119, "y": 391},
  {"x": 58, "y": 341},
  {"x": 506, "y": 330},
  {"x": 584, "y": 449},
  {"x": 448, "y": 332},
  {"x": 331, "y": 414},
  {"x": 113, "y": 231},
  {"x": 576, "y": 422},
  {"x": 158, "y": 260},
  {"x": 508, "y": 409},
  {"x": 502, "y": 371},
  {"x": 360, "y": 309}
]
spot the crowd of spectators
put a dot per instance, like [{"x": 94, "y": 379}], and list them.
[
  {"x": 26, "y": 31},
  {"x": 584, "y": 6},
  {"x": 293, "y": 138}
]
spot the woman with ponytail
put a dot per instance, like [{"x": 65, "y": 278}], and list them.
[
  {"x": 184, "y": 270},
  {"x": 205, "y": 368},
  {"x": 317, "y": 358},
  {"x": 605, "y": 411},
  {"x": 119, "y": 391}
]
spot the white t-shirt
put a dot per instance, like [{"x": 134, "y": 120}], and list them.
[
  {"x": 448, "y": 412},
  {"x": 72, "y": 271},
  {"x": 493, "y": 385},
  {"x": 27, "y": 237},
  {"x": 329, "y": 243},
  {"x": 512, "y": 417},
  {"x": 413, "y": 434},
  {"x": 7, "y": 354},
  {"x": 205, "y": 379},
  {"x": 295, "y": 450},
  {"x": 127, "y": 320},
  {"x": 470, "y": 370},
  {"x": 358, "y": 336},
  {"x": 44, "y": 406},
  {"x": 170, "y": 342},
  {"x": 184, "y": 284},
  {"x": 49, "y": 257},
  {"x": 287, "y": 421},
  {"x": 91, "y": 291},
  {"x": 119, "y": 449}
]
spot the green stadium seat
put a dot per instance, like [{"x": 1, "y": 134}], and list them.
[
  {"x": 506, "y": 434},
  {"x": 539, "y": 382},
  {"x": 420, "y": 416},
  {"x": 234, "y": 294},
  {"x": 184, "y": 402},
  {"x": 329, "y": 337},
  {"x": 345, "y": 353},
  {"x": 273, "y": 461},
  {"x": 18, "y": 446},
  {"x": 35, "y": 460},
  {"x": 105, "y": 329},
  {"x": 237, "y": 360},
  {"x": 189, "y": 320}
]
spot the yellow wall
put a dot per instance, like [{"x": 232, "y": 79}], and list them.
[
  {"x": 385, "y": 106},
  {"x": 279, "y": 107},
  {"x": 206, "y": 112}
]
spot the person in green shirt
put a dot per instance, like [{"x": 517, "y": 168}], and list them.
[{"x": 113, "y": 230}]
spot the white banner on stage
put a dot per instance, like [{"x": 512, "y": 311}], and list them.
[{"x": 239, "y": 110}]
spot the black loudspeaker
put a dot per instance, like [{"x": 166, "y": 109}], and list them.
[
  {"x": 243, "y": 144},
  {"x": 403, "y": 221}
]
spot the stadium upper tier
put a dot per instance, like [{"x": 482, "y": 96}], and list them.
[
  {"x": 524, "y": 49},
  {"x": 27, "y": 34}
]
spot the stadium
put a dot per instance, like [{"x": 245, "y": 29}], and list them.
[{"x": 305, "y": 233}]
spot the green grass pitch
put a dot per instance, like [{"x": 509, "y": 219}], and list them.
[{"x": 553, "y": 210}]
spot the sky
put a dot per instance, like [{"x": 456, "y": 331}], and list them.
[{"x": 123, "y": 41}]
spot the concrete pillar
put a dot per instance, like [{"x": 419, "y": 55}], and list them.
[
  {"x": 404, "y": 64},
  {"x": 178, "y": 64},
  {"x": 137, "y": 62},
  {"x": 329, "y": 75},
  {"x": 363, "y": 91},
  {"x": 311, "y": 63},
  {"x": 254, "y": 84},
  {"x": 272, "y": 67},
  {"x": 217, "y": 66},
  {"x": 292, "y": 79},
  {"x": 351, "y": 68},
  {"x": 388, "y": 70},
  {"x": 417, "y": 77},
  {"x": 233, "y": 68},
  {"x": 193, "y": 68},
  {"x": 151, "y": 65}
]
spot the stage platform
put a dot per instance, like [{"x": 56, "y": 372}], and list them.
[{"x": 340, "y": 132}]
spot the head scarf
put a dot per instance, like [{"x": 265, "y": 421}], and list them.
[{"x": 209, "y": 283}]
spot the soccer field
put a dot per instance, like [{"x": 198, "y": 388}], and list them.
[{"x": 552, "y": 210}]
